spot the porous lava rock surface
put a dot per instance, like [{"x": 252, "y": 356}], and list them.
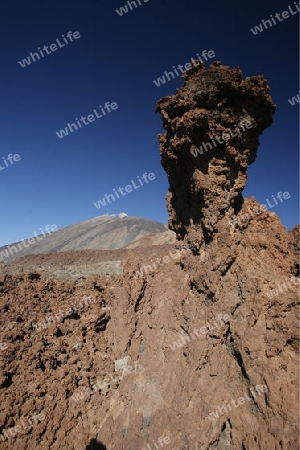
[
  {"x": 182, "y": 347},
  {"x": 207, "y": 110}
]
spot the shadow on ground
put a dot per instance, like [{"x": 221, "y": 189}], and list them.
[{"x": 95, "y": 445}]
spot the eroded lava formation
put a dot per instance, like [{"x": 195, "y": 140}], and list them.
[{"x": 207, "y": 187}]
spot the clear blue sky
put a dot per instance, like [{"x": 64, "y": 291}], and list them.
[{"x": 116, "y": 59}]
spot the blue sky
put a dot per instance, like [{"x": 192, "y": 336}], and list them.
[{"x": 116, "y": 59}]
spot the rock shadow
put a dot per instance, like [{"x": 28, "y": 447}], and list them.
[{"x": 95, "y": 445}]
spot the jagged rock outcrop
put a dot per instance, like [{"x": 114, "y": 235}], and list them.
[
  {"x": 223, "y": 318},
  {"x": 206, "y": 111},
  {"x": 241, "y": 279}
]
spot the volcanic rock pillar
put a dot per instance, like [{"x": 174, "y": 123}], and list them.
[{"x": 212, "y": 128}]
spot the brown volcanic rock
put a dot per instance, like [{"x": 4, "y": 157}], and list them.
[
  {"x": 172, "y": 391},
  {"x": 294, "y": 236},
  {"x": 257, "y": 345},
  {"x": 85, "y": 263},
  {"x": 42, "y": 367},
  {"x": 243, "y": 258},
  {"x": 205, "y": 188}
]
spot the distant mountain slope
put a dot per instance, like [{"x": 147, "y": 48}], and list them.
[
  {"x": 167, "y": 237},
  {"x": 106, "y": 232}
]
